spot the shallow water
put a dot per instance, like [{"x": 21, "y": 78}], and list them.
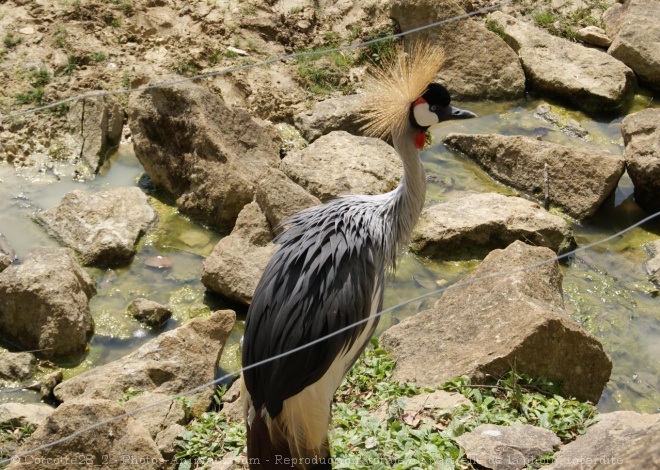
[{"x": 605, "y": 287}]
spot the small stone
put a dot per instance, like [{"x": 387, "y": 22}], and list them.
[
  {"x": 595, "y": 36},
  {"x": 507, "y": 447},
  {"x": 148, "y": 312},
  {"x": 17, "y": 366},
  {"x": 28, "y": 30},
  {"x": 48, "y": 382}
]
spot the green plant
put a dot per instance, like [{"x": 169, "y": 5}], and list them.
[
  {"x": 295, "y": 10},
  {"x": 35, "y": 96},
  {"x": 381, "y": 51},
  {"x": 129, "y": 394},
  {"x": 185, "y": 67},
  {"x": 99, "y": 56},
  {"x": 71, "y": 64},
  {"x": 12, "y": 437},
  {"x": 11, "y": 40},
  {"x": 544, "y": 18},
  {"x": 495, "y": 27},
  {"x": 38, "y": 77},
  {"x": 208, "y": 438},
  {"x": 126, "y": 81},
  {"x": 60, "y": 35}
]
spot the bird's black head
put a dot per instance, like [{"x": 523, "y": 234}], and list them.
[{"x": 434, "y": 107}]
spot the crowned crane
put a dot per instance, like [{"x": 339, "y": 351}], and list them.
[{"x": 328, "y": 273}]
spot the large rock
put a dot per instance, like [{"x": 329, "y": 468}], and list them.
[
  {"x": 507, "y": 447},
  {"x": 473, "y": 225},
  {"x": 340, "y": 163},
  {"x": 205, "y": 154},
  {"x": 492, "y": 71},
  {"x": 95, "y": 125},
  {"x": 606, "y": 443},
  {"x": 156, "y": 417},
  {"x": 334, "y": 114},
  {"x": 637, "y": 43},
  {"x": 587, "y": 78},
  {"x": 103, "y": 227},
  {"x": 171, "y": 363},
  {"x": 123, "y": 443},
  {"x": 7, "y": 253},
  {"x": 641, "y": 134},
  {"x": 44, "y": 303},
  {"x": 579, "y": 179},
  {"x": 17, "y": 366},
  {"x": 652, "y": 266},
  {"x": 237, "y": 262},
  {"x": 17, "y": 415},
  {"x": 279, "y": 198},
  {"x": 487, "y": 327}
]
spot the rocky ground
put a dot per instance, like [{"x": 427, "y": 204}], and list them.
[{"x": 240, "y": 152}]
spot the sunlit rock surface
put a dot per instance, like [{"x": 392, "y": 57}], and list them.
[
  {"x": 637, "y": 42},
  {"x": 641, "y": 134},
  {"x": 104, "y": 227},
  {"x": 478, "y": 64},
  {"x": 171, "y": 363},
  {"x": 487, "y": 327},
  {"x": 588, "y": 78},
  {"x": 340, "y": 163},
  {"x": 473, "y": 225},
  {"x": 577, "y": 180},
  {"x": 115, "y": 444},
  {"x": 238, "y": 260},
  {"x": 44, "y": 303},
  {"x": 206, "y": 155},
  {"x": 623, "y": 440}
]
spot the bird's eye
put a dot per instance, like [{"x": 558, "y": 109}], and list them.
[{"x": 432, "y": 108}]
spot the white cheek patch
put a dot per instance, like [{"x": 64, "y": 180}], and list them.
[{"x": 423, "y": 116}]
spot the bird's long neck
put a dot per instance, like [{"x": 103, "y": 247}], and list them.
[{"x": 407, "y": 199}]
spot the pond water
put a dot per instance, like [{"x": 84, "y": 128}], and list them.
[{"x": 605, "y": 288}]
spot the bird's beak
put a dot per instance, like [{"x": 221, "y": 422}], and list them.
[{"x": 457, "y": 113}]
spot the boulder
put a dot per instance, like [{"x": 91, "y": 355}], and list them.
[
  {"x": 578, "y": 179},
  {"x": 7, "y": 254},
  {"x": 17, "y": 415},
  {"x": 171, "y": 363},
  {"x": 122, "y": 443},
  {"x": 473, "y": 225},
  {"x": 167, "y": 440},
  {"x": 157, "y": 417},
  {"x": 232, "y": 404},
  {"x": 641, "y": 135},
  {"x": 279, "y": 198},
  {"x": 482, "y": 329},
  {"x": 48, "y": 382},
  {"x": 652, "y": 266},
  {"x": 237, "y": 262},
  {"x": 44, "y": 303},
  {"x": 637, "y": 42},
  {"x": 340, "y": 163},
  {"x": 614, "y": 17},
  {"x": 149, "y": 312},
  {"x": 103, "y": 227},
  {"x": 17, "y": 366},
  {"x": 507, "y": 447},
  {"x": 492, "y": 72},
  {"x": 605, "y": 444},
  {"x": 594, "y": 35},
  {"x": 334, "y": 114},
  {"x": 205, "y": 154},
  {"x": 585, "y": 77},
  {"x": 96, "y": 127}
]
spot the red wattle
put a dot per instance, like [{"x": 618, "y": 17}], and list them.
[{"x": 420, "y": 140}]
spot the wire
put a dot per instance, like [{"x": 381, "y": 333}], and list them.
[
  {"x": 335, "y": 333},
  {"x": 300, "y": 348},
  {"x": 256, "y": 64}
]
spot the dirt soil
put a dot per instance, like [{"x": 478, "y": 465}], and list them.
[{"x": 55, "y": 50}]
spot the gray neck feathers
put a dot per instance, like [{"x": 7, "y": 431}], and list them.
[{"x": 405, "y": 203}]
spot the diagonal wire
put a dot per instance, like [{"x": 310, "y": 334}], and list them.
[
  {"x": 335, "y": 333},
  {"x": 256, "y": 64}
]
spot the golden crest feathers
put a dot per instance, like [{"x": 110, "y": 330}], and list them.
[{"x": 393, "y": 88}]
